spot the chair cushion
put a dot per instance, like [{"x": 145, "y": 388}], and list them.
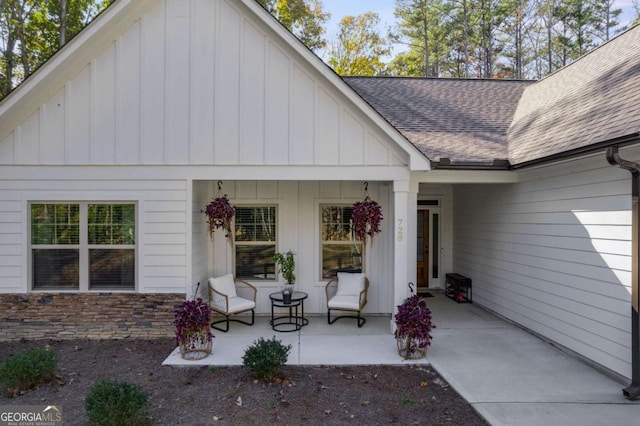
[
  {"x": 344, "y": 302},
  {"x": 224, "y": 284},
  {"x": 240, "y": 304},
  {"x": 350, "y": 284}
]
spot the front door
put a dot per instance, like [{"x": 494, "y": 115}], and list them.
[{"x": 423, "y": 250}]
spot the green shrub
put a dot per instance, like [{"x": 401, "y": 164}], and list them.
[
  {"x": 27, "y": 369},
  {"x": 117, "y": 404},
  {"x": 264, "y": 358}
]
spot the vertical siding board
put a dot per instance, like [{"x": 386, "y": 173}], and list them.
[
  {"x": 277, "y": 107},
  {"x": 352, "y": 140},
  {"x": 227, "y": 85},
  {"x": 152, "y": 86},
  {"x": 128, "y": 97},
  {"x": 103, "y": 108},
  {"x": 252, "y": 92},
  {"x": 177, "y": 83},
  {"x": 553, "y": 253},
  {"x": 302, "y": 117},
  {"x": 327, "y": 129},
  {"x": 79, "y": 118},
  {"x": 27, "y": 144},
  {"x": 376, "y": 153},
  {"x": 201, "y": 128},
  {"x": 7, "y": 149},
  {"x": 52, "y": 147}
]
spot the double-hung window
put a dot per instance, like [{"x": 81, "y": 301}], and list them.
[
  {"x": 340, "y": 251},
  {"x": 83, "y": 246},
  {"x": 255, "y": 242}
]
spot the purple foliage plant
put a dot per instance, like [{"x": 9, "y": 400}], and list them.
[
  {"x": 366, "y": 217},
  {"x": 413, "y": 324},
  {"x": 220, "y": 213},
  {"x": 192, "y": 319}
]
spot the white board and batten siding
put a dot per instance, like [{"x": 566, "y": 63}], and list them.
[
  {"x": 553, "y": 253},
  {"x": 161, "y": 230},
  {"x": 198, "y": 82}
]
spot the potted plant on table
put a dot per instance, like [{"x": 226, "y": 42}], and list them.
[
  {"x": 413, "y": 327},
  {"x": 286, "y": 265},
  {"x": 193, "y": 332}
]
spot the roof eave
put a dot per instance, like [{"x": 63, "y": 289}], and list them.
[{"x": 629, "y": 139}]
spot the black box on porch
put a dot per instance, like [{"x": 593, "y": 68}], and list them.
[{"x": 458, "y": 287}]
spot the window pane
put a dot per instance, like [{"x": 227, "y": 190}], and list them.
[
  {"x": 55, "y": 268},
  {"x": 112, "y": 269},
  {"x": 112, "y": 224},
  {"x": 255, "y": 261},
  {"x": 336, "y": 223},
  {"x": 55, "y": 224},
  {"x": 341, "y": 258},
  {"x": 255, "y": 224}
]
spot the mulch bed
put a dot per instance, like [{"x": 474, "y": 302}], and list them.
[{"x": 312, "y": 395}]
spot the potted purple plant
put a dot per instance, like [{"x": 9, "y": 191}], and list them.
[
  {"x": 193, "y": 332},
  {"x": 220, "y": 213},
  {"x": 366, "y": 217},
  {"x": 413, "y": 327}
]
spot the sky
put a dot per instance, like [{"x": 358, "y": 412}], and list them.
[{"x": 385, "y": 8}]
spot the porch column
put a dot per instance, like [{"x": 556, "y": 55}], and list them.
[{"x": 405, "y": 246}]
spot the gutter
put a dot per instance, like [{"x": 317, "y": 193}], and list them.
[
  {"x": 629, "y": 139},
  {"x": 633, "y": 390}
]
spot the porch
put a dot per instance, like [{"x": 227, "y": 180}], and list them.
[
  {"x": 341, "y": 343},
  {"x": 509, "y": 375}
]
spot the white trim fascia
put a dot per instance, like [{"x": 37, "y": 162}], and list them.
[
  {"x": 466, "y": 176},
  {"x": 67, "y": 61},
  {"x": 418, "y": 161},
  {"x": 214, "y": 172}
]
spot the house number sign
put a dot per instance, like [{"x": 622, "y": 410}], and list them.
[{"x": 400, "y": 231}]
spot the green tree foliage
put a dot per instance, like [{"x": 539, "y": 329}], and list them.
[
  {"x": 33, "y": 30},
  {"x": 358, "y": 47},
  {"x": 304, "y": 18},
  {"x": 498, "y": 38}
]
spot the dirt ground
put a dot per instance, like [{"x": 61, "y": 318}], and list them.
[{"x": 317, "y": 395}]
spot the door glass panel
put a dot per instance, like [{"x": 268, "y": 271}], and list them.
[
  {"x": 420, "y": 236},
  {"x": 435, "y": 231}
]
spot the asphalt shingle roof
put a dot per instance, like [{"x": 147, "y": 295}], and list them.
[
  {"x": 461, "y": 119},
  {"x": 593, "y": 100}
]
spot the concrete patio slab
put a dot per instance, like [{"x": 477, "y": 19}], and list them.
[{"x": 511, "y": 377}]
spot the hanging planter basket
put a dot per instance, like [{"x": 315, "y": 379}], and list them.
[
  {"x": 220, "y": 213},
  {"x": 366, "y": 217}
]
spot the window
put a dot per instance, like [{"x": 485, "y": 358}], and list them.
[
  {"x": 340, "y": 251},
  {"x": 84, "y": 246},
  {"x": 255, "y": 242}
]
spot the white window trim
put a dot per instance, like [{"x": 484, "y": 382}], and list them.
[{"x": 83, "y": 247}]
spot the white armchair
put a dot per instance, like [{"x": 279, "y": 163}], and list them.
[
  {"x": 347, "y": 292},
  {"x": 224, "y": 299}
]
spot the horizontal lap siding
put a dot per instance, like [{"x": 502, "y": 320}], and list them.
[
  {"x": 162, "y": 240},
  {"x": 553, "y": 253}
]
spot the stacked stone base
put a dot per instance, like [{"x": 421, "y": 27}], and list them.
[{"x": 65, "y": 316}]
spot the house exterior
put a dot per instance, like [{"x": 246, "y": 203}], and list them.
[{"x": 110, "y": 151}]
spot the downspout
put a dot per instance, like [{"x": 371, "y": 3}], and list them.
[{"x": 633, "y": 390}]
